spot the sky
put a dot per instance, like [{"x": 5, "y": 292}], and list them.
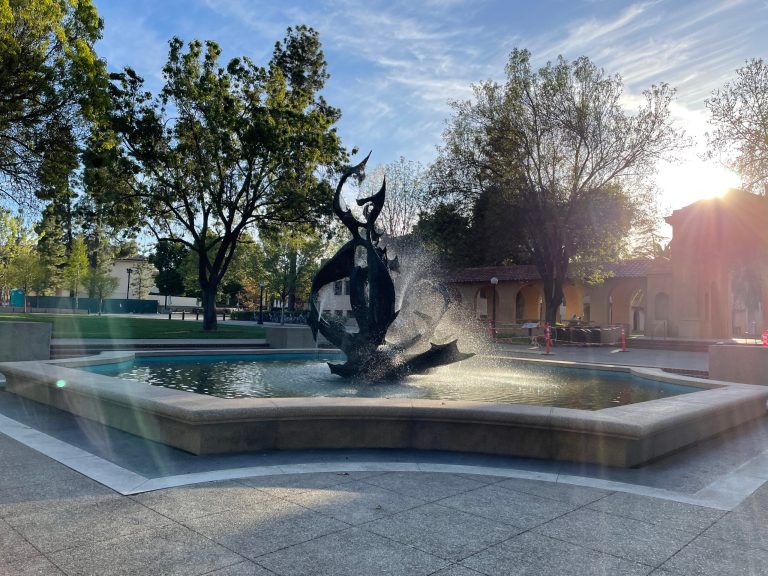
[{"x": 396, "y": 65}]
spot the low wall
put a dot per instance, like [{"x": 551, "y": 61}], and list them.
[
  {"x": 739, "y": 363},
  {"x": 25, "y": 341},
  {"x": 621, "y": 436},
  {"x": 293, "y": 337}
]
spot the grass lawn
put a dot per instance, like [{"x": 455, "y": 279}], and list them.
[{"x": 84, "y": 326}]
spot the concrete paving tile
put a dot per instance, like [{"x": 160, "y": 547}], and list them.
[
  {"x": 532, "y": 554},
  {"x": 50, "y": 493},
  {"x": 12, "y": 451},
  {"x": 13, "y": 546},
  {"x": 570, "y": 493},
  {"x": 195, "y": 500},
  {"x": 351, "y": 553},
  {"x": 68, "y": 527},
  {"x": 756, "y": 503},
  {"x": 507, "y": 506},
  {"x": 285, "y": 484},
  {"x": 355, "y": 502},
  {"x": 18, "y": 473},
  {"x": 426, "y": 486},
  {"x": 272, "y": 525},
  {"x": 170, "y": 551},
  {"x": 624, "y": 537},
  {"x": 34, "y": 566},
  {"x": 443, "y": 531},
  {"x": 456, "y": 571},
  {"x": 743, "y": 528},
  {"x": 713, "y": 557},
  {"x": 246, "y": 568},
  {"x": 667, "y": 513}
]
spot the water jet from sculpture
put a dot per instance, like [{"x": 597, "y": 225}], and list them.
[{"x": 372, "y": 297}]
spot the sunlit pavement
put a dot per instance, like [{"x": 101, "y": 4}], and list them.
[{"x": 700, "y": 511}]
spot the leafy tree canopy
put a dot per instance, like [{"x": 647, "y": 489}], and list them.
[
  {"x": 558, "y": 150},
  {"x": 225, "y": 149},
  {"x": 51, "y": 81}
]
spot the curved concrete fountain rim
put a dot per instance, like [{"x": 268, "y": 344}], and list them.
[{"x": 622, "y": 435}]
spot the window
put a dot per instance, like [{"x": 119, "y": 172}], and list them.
[
  {"x": 337, "y": 288},
  {"x": 346, "y": 287}
]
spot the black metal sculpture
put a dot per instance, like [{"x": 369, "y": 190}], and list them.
[{"x": 372, "y": 296}]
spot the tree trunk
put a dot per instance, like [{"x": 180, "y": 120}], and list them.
[
  {"x": 209, "y": 307},
  {"x": 292, "y": 266},
  {"x": 553, "y": 298}
]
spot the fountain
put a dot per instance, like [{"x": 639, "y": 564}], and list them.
[{"x": 370, "y": 356}]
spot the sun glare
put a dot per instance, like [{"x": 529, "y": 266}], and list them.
[{"x": 685, "y": 183}]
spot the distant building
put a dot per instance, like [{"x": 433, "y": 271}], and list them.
[{"x": 714, "y": 284}]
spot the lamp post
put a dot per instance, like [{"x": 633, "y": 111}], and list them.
[
  {"x": 494, "y": 281},
  {"x": 261, "y": 302},
  {"x": 128, "y": 289}
]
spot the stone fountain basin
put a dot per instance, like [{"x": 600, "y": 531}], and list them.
[{"x": 620, "y": 436}]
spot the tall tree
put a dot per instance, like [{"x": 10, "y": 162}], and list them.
[
  {"x": 142, "y": 279},
  {"x": 10, "y": 229},
  {"x": 566, "y": 158},
  {"x": 739, "y": 115},
  {"x": 223, "y": 150},
  {"x": 76, "y": 267},
  {"x": 52, "y": 248},
  {"x": 168, "y": 258},
  {"x": 52, "y": 82},
  {"x": 291, "y": 257}
]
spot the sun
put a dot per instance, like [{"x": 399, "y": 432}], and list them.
[{"x": 692, "y": 180}]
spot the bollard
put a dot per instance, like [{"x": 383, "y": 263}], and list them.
[
  {"x": 182, "y": 314},
  {"x": 623, "y": 340},
  {"x": 169, "y": 315},
  {"x": 197, "y": 315},
  {"x": 547, "y": 339},
  {"x": 223, "y": 316}
]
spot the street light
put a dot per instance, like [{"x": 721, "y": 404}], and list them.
[
  {"x": 261, "y": 302},
  {"x": 128, "y": 290},
  {"x": 494, "y": 281}
]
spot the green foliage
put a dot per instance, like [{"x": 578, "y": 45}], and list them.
[
  {"x": 101, "y": 283},
  {"x": 10, "y": 228},
  {"x": 224, "y": 149},
  {"x": 445, "y": 233},
  {"x": 564, "y": 158},
  {"x": 739, "y": 114},
  {"x": 168, "y": 259},
  {"x": 52, "y": 82},
  {"x": 51, "y": 247},
  {"x": 76, "y": 267},
  {"x": 291, "y": 258},
  {"x": 141, "y": 281}
]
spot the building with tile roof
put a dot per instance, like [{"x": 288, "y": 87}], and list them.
[{"x": 712, "y": 286}]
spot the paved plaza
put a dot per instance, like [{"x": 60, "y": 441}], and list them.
[{"x": 158, "y": 511}]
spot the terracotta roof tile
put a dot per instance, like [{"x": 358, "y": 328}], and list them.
[{"x": 527, "y": 272}]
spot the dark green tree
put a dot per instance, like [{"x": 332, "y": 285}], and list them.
[
  {"x": 225, "y": 150},
  {"x": 52, "y": 248},
  {"x": 52, "y": 85},
  {"x": 168, "y": 259}
]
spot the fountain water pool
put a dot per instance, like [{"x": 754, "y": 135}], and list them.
[
  {"x": 618, "y": 436},
  {"x": 477, "y": 379}
]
